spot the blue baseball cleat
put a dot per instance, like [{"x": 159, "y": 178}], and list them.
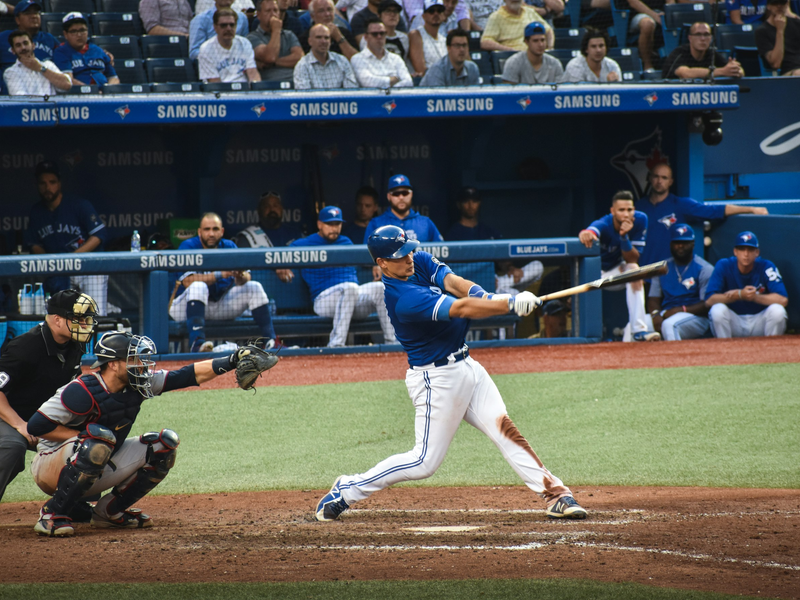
[
  {"x": 646, "y": 336},
  {"x": 332, "y": 504},
  {"x": 566, "y": 508}
]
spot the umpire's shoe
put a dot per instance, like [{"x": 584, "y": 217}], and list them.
[
  {"x": 566, "y": 508},
  {"x": 332, "y": 504},
  {"x": 133, "y": 518},
  {"x": 54, "y": 525}
]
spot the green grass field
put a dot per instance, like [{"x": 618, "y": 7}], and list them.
[{"x": 711, "y": 426}]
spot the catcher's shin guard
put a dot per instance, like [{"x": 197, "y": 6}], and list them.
[
  {"x": 157, "y": 466},
  {"x": 82, "y": 470}
]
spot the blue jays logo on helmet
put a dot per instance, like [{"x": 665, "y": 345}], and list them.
[
  {"x": 747, "y": 238},
  {"x": 681, "y": 232},
  {"x": 399, "y": 181},
  {"x": 390, "y": 241}
]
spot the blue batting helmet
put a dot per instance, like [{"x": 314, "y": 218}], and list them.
[{"x": 390, "y": 241}]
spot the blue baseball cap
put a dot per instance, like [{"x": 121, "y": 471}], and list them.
[
  {"x": 534, "y": 28},
  {"x": 73, "y": 17},
  {"x": 747, "y": 238},
  {"x": 21, "y": 7},
  {"x": 331, "y": 214},
  {"x": 398, "y": 181},
  {"x": 681, "y": 232}
]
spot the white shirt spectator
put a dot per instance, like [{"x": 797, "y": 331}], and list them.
[
  {"x": 238, "y": 5},
  {"x": 229, "y": 65},
  {"x": 310, "y": 74},
  {"x": 374, "y": 72},
  {"x": 578, "y": 70},
  {"x": 353, "y": 6},
  {"x": 21, "y": 81}
]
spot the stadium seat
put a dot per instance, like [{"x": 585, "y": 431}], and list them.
[
  {"x": 569, "y": 39},
  {"x": 179, "y": 88},
  {"x": 164, "y": 46},
  {"x": 749, "y": 59},
  {"x": 127, "y": 88},
  {"x": 118, "y": 6},
  {"x": 474, "y": 41},
  {"x": 51, "y": 23},
  {"x": 65, "y": 6},
  {"x": 117, "y": 24},
  {"x": 79, "y": 90},
  {"x": 121, "y": 46},
  {"x": 731, "y": 36},
  {"x": 275, "y": 85},
  {"x": 220, "y": 86},
  {"x": 499, "y": 60},
  {"x": 621, "y": 18},
  {"x": 7, "y": 22},
  {"x": 626, "y": 58},
  {"x": 170, "y": 70},
  {"x": 130, "y": 70},
  {"x": 497, "y": 79},
  {"x": 652, "y": 76},
  {"x": 484, "y": 62},
  {"x": 631, "y": 75},
  {"x": 678, "y": 15}
]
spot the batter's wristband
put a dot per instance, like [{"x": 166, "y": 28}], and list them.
[
  {"x": 477, "y": 291},
  {"x": 222, "y": 365},
  {"x": 625, "y": 243}
]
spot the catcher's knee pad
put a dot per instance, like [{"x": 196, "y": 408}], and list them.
[{"x": 163, "y": 460}]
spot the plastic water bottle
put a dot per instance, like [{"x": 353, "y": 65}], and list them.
[
  {"x": 26, "y": 300},
  {"x": 38, "y": 300},
  {"x": 136, "y": 241}
]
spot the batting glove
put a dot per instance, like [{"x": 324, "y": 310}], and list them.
[{"x": 524, "y": 304}]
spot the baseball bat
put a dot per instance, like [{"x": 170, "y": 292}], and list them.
[{"x": 644, "y": 272}]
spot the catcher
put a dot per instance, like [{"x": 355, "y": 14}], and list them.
[{"x": 84, "y": 449}]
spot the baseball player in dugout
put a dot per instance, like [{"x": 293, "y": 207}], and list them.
[
  {"x": 746, "y": 293},
  {"x": 83, "y": 430},
  {"x": 33, "y": 366},
  {"x": 621, "y": 235},
  {"x": 217, "y": 295},
  {"x": 430, "y": 308}
]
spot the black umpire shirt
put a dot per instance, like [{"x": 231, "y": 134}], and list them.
[
  {"x": 682, "y": 57},
  {"x": 33, "y": 366}
]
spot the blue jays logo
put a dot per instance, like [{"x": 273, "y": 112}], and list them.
[
  {"x": 399, "y": 179},
  {"x": 668, "y": 221},
  {"x": 335, "y": 212},
  {"x": 745, "y": 237},
  {"x": 259, "y": 110},
  {"x": 681, "y": 231},
  {"x": 688, "y": 283},
  {"x": 651, "y": 98},
  {"x": 636, "y": 160},
  {"x": 330, "y": 152},
  {"x": 123, "y": 111},
  {"x": 389, "y": 106},
  {"x": 74, "y": 158},
  {"x": 524, "y": 102}
]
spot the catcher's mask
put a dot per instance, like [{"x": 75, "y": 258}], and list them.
[
  {"x": 135, "y": 350},
  {"x": 79, "y": 310}
]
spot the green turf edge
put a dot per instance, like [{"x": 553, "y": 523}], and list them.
[{"x": 485, "y": 589}]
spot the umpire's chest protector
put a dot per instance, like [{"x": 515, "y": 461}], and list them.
[{"x": 116, "y": 411}]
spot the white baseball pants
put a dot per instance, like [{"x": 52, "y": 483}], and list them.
[
  {"x": 680, "y": 326},
  {"x": 238, "y": 299},
  {"x": 94, "y": 285},
  {"x": 725, "y": 323},
  {"x": 345, "y": 301},
  {"x": 531, "y": 272},
  {"x": 634, "y": 296},
  {"x": 443, "y": 397}
]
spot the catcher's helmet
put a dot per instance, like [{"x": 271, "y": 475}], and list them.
[
  {"x": 79, "y": 310},
  {"x": 134, "y": 350},
  {"x": 390, "y": 241}
]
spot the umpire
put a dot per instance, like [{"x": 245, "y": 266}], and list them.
[{"x": 33, "y": 366}]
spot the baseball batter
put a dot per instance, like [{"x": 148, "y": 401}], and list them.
[{"x": 430, "y": 308}]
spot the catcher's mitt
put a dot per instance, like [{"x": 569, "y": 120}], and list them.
[{"x": 251, "y": 361}]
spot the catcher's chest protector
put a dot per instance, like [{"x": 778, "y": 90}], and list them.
[{"x": 116, "y": 411}]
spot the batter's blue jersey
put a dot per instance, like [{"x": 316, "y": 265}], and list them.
[
  {"x": 89, "y": 65},
  {"x": 610, "y": 252},
  {"x": 66, "y": 228},
  {"x": 664, "y": 215},
  {"x": 764, "y": 276},
  {"x": 320, "y": 279},
  {"x": 419, "y": 309},
  {"x": 682, "y": 286},
  {"x": 44, "y": 47},
  {"x": 217, "y": 289},
  {"x": 415, "y": 225}
]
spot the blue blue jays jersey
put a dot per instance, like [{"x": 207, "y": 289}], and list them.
[
  {"x": 765, "y": 277},
  {"x": 415, "y": 225},
  {"x": 44, "y": 47},
  {"x": 664, "y": 215},
  {"x": 320, "y": 279},
  {"x": 89, "y": 65},
  {"x": 610, "y": 253},
  {"x": 419, "y": 309},
  {"x": 66, "y": 228},
  {"x": 215, "y": 290},
  {"x": 750, "y": 11},
  {"x": 682, "y": 286}
]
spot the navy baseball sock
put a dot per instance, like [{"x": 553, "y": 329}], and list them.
[
  {"x": 263, "y": 318},
  {"x": 195, "y": 321}
]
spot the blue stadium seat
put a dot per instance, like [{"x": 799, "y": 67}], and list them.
[
  {"x": 630, "y": 76},
  {"x": 677, "y": 15},
  {"x": 127, "y": 88},
  {"x": 176, "y": 88},
  {"x": 7, "y": 22},
  {"x": 164, "y": 46},
  {"x": 621, "y": 18},
  {"x": 731, "y": 36},
  {"x": 51, "y": 23},
  {"x": 130, "y": 70},
  {"x": 627, "y": 58},
  {"x": 170, "y": 70},
  {"x": 117, "y": 24},
  {"x": 121, "y": 46},
  {"x": 652, "y": 76},
  {"x": 749, "y": 59},
  {"x": 79, "y": 90},
  {"x": 564, "y": 55},
  {"x": 499, "y": 59},
  {"x": 484, "y": 62},
  {"x": 220, "y": 86},
  {"x": 474, "y": 41},
  {"x": 65, "y": 6},
  {"x": 273, "y": 85},
  {"x": 569, "y": 39},
  {"x": 118, "y": 6}
]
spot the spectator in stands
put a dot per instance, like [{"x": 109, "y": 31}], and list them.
[
  {"x": 342, "y": 41},
  {"x": 165, "y": 17},
  {"x": 30, "y": 76},
  {"x": 693, "y": 60},
  {"x": 621, "y": 235},
  {"x": 84, "y": 62},
  {"x": 240, "y": 6},
  {"x": 322, "y": 68},
  {"x": 366, "y": 210},
  {"x": 202, "y": 27},
  {"x": 740, "y": 12},
  {"x": 427, "y": 45},
  {"x": 289, "y": 18},
  {"x": 505, "y": 30},
  {"x": 592, "y": 65},
  {"x": 455, "y": 69},
  {"x": 320, "y": 14},
  {"x": 61, "y": 224},
  {"x": 646, "y": 23},
  {"x": 374, "y": 67},
  {"x": 533, "y": 65},
  {"x": 335, "y": 290},
  {"x": 218, "y": 295},
  {"x": 480, "y": 11},
  {"x": 554, "y": 322},
  {"x": 778, "y": 38},
  {"x": 396, "y": 41},
  {"x": 450, "y": 22},
  {"x": 746, "y": 293},
  {"x": 358, "y": 23},
  {"x": 350, "y": 7},
  {"x": 277, "y": 50},
  {"x": 460, "y": 10},
  {"x": 28, "y": 16},
  {"x": 664, "y": 209},
  {"x": 400, "y": 196},
  {"x": 548, "y": 9},
  {"x": 271, "y": 230},
  {"x": 227, "y": 57}
]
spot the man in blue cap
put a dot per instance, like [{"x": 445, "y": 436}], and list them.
[
  {"x": 28, "y": 15},
  {"x": 746, "y": 293},
  {"x": 335, "y": 290},
  {"x": 401, "y": 195},
  {"x": 86, "y": 63}
]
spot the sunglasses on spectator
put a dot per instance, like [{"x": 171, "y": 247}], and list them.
[
  {"x": 400, "y": 193},
  {"x": 377, "y": 33},
  {"x": 226, "y": 25}
]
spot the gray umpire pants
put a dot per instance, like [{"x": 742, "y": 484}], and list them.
[{"x": 12, "y": 455}]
